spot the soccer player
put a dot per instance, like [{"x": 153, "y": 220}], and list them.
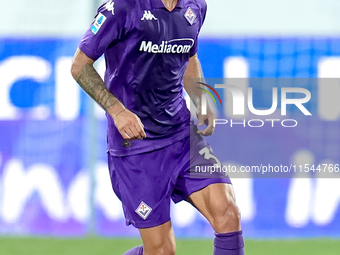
[{"x": 150, "y": 50}]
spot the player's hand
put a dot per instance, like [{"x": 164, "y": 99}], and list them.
[
  {"x": 129, "y": 125},
  {"x": 208, "y": 120}
]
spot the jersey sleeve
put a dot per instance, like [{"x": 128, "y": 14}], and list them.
[
  {"x": 109, "y": 26},
  {"x": 203, "y": 12}
]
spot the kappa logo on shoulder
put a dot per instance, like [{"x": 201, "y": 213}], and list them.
[
  {"x": 110, "y": 7},
  {"x": 148, "y": 16},
  {"x": 143, "y": 210}
]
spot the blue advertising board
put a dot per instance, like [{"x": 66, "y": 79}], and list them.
[{"x": 53, "y": 173}]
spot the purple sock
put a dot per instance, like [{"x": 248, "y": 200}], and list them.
[
  {"x": 229, "y": 244},
  {"x": 135, "y": 251}
]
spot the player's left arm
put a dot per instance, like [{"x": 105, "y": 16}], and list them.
[{"x": 193, "y": 75}]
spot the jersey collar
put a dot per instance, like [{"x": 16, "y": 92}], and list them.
[{"x": 158, "y": 4}]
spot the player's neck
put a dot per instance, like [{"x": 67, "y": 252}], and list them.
[{"x": 170, "y": 4}]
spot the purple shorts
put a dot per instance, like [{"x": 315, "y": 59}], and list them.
[{"x": 146, "y": 182}]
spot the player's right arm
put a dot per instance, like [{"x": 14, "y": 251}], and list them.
[{"x": 127, "y": 123}]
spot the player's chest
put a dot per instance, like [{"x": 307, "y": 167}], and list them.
[{"x": 161, "y": 25}]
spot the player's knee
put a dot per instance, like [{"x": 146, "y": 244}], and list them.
[
  {"x": 161, "y": 251},
  {"x": 227, "y": 219},
  {"x": 169, "y": 250},
  {"x": 165, "y": 248}
]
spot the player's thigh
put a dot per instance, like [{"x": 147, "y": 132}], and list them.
[
  {"x": 212, "y": 197},
  {"x": 158, "y": 240},
  {"x": 144, "y": 183},
  {"x": 143, "y": 188},
  {"x": 217, "y": 203}
]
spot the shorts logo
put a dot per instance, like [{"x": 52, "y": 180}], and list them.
[
  {"x": 110, "y": 7},
  {"x": 190, "y": 16},
  {"x": 143, "y": 210},
  {"x": 98, "y": 23}
]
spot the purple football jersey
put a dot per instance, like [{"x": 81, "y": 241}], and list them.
[{"x": 146, "y": 49}]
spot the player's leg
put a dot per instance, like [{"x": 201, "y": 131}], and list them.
[
  {"x": 144, "y": 184},
  {"x": 158, "y": 240},
  {"x": 217, "y": 203},
  {"x": 212, "y": 195}
]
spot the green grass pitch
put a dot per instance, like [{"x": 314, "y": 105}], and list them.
[{"x": 112, "y": 246}]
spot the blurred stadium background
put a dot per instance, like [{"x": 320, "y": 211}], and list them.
[{"x": 54, "y": 184}]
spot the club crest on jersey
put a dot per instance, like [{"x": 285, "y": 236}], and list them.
[
  {"x": 148, "y": 16},
  {"x": 110, "y": 7},
  {"x": 98, "y": 22},
  {"x": 143, "y": 210},
  {"x": 190, "y": 16}
]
